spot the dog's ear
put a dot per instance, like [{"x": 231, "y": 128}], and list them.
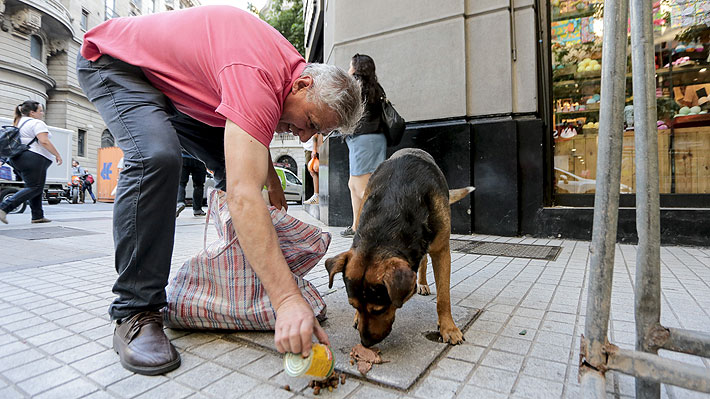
[
  {"x": 336, "y": 265},
  {"x": 401, "y": 282}
]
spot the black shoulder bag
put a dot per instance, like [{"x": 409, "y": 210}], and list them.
[
  {"x": 10, "y": 144},
  {"x": 392, "y": 123}
]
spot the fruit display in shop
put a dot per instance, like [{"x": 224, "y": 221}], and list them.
[{"x": 589, "y": 65}]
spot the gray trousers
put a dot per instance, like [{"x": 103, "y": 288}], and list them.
[{"x": 150, "y": 131}]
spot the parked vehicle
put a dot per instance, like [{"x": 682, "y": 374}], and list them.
[
  {"x": 570, "y": 183},
  {"x": 291, "y": 184},
  {"x": 57, "y": 175}
]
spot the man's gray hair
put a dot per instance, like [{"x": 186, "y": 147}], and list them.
[{"x": 339, "y": 91}]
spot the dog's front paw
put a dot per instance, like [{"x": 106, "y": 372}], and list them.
[
  {"x": 452, "y": 335},
  {"x": 423, "y": 289}
]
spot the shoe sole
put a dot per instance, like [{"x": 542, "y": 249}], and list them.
[
  {"x": 166, "y": 368},
  {"x": 157, "y": 370}
]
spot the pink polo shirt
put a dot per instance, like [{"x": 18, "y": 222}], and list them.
[{"x": 213, "y": 62}]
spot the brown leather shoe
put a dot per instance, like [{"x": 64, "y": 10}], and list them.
[
  {"x": 41, "y": 220},
  {"x": 143, "y": 346}
]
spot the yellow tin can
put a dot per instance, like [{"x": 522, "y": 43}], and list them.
[{"x": 318, "y": 365}]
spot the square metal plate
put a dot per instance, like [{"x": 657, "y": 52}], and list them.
[{"x": 44, "y": 233}]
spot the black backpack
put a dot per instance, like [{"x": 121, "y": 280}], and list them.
[{"x": 10, "y": 144}]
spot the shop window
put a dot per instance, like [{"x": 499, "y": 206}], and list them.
[
  {"x": 682, "y": 58},
  {"x": 81, "y": 143},
  {"x": 36, "y": 47}
]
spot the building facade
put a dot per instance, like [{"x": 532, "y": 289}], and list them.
[
  {"x": 474, "y": 80},
  {"x": 40, "y": 40}
]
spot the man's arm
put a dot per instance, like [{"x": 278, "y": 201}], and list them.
[{"x": 247, "y": 170}]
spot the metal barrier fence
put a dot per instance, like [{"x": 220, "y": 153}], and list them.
[{"x": 597, "y": 355}]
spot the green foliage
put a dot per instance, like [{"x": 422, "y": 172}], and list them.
[{"x": 287, "y": 17}]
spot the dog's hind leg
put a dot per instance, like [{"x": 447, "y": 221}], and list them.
[{"x": 422, "y": 285}]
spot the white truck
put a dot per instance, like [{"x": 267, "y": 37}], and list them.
[{"x": 57, "y": 175}]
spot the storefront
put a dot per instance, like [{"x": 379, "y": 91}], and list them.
[
  {"x": 682, "y": 47},
  {"x": 510, "y": 104}
]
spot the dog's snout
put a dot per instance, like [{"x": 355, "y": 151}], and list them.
[{"x": 368, "y": 342}]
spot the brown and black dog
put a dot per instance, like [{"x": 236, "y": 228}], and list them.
[{"x": 405, "y": 215}]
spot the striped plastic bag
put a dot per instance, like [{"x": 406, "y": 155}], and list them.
[{"x": 217, "y": 288}]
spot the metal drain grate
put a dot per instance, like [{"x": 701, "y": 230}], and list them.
[
  {"x": 543, "y": 252},
  {"x": 44, "y": 233}
]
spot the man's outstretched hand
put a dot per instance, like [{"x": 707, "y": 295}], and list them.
[{"x": 295, "y": 326}]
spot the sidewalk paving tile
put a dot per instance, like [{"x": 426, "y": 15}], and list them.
[
  {"x": 537, "y": 388},
  {"x": 48, "y": 380},
  {"x": 434, "y": 387},
  {"x": 109, "y": 375},
  {"x": 168, "y": 390},
  {"x": 135, "y": 385},
  {"x": 20, "y": 358},
  {"x": 56, "y": 336},
  {"x": 32, "y": 369},
  {"x": 233, "y": 385},
  {"x": 202, "y": 375},
  {"x": 76, "y": 388}
]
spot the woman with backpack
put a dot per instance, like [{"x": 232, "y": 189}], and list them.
[{"x": 33, "y": 163}]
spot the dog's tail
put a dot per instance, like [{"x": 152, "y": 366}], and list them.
[{"x": 459, "y": 193}]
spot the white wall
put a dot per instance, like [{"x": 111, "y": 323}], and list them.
[{"x": 440, "y": 59}]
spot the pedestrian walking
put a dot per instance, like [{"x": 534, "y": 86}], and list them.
[
  {"x": 311, "y": 147},
  {"x": 367, "y": 146},
  {"x": 191, "y": 166},
  {"x": 32, "y": 163},
  {"x": 215, "y": 81}
]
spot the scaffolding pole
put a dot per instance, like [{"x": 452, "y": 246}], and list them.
[
  {"x": 606, "y": 198},
  {"x": 597, "y": 356},
  {"x": 650, "y": 367},
  {"x": 648, "y": 253}
]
